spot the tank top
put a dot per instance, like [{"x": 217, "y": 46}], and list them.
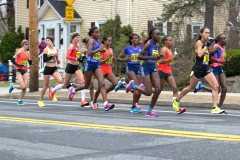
[
  {"x": 201, "y": 62},
  {"x": 75, "y": 52},
  {"x": 22, "y": 59},
  {"x": 108, "y": 64},
  {"x": 133, "y": 53},
  {"x": 153, "y": 50},
  {"x": 53, "y": 59},
  {"x": 96, "y": 56},
  {"x": 219, "y": 55},
  {"x": 166, "y": 67}
]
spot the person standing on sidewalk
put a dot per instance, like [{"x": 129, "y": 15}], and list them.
[
  {"x": 165, "y": 67},
  {"x": 21, "y": 60},
  {"x": 150, "y": 54},
  {"x": 132, "y": 69},
  {"x": 50, "y": 54},
  {"x": 92, "y": 66},
  {"x": 106, "y": 60},
  {"x": 201, "y": 70},
  {"x": 73, "y": 56},
  {"x": 42, "y": 46},
  {"x": 217, "y": 60}
]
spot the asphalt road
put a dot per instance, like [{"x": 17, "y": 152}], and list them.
[{"x": 65, "y": 131}]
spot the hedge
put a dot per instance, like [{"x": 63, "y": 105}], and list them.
[{"x": 232, "y": 68}]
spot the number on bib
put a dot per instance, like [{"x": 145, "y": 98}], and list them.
[
  {"x": 134, "y": 57},
  {"x": 109, "y": 61},
  {"x": 78, "y": 54},
  {"x": 96, "y": 56},
  {"x": 24, "y": 62},
  {"x": 155, "y": 52}
]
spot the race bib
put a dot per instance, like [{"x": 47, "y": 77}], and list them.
[
  {"x": 224, "y": 55},
  {"x": 24, "y": 62},
  {"x": 206, "y": 59},
  {"x": 134, "y": 57},
  {"x": 78, "y": 54},
  {"x": 96, "y": 56},
  {"x": 155, "y": 52},
  {"x": 109, "y": 61}
]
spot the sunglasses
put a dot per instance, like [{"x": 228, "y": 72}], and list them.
[{"x": 26, "y": 44}]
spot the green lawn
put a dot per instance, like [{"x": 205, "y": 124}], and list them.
[{"x": 6, "y": 84}]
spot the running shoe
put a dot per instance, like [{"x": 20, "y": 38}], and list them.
[
  {"x": 51, "y": 93},
  {"x": 108, "y": 107},
  {"x": 221, "y": 109},
  {"x": 70, "y": 94},
  {"x": 10, "y": 89},
  {"x": 20, "y": 103},
  {"x": 135, "y": 110},
  {"x": 41, "y": 103},
  {"x": 175, "y": 105},
  {"x": 129, "y": 86},
  {"x": 137, "y": 106},
  {"x": 94, "y": 105},
  {"x": 143, "y": 87},
  {"x": 120, "y": 84},
  {"x": 84, "y": 103},
  {"x": 54, "y": 98},
  {"x": 181, "y": 110},
  {"x": 198, "y": 87},
  {"x": 217, "y": 110},
  {"x": 151, "y": 114}
]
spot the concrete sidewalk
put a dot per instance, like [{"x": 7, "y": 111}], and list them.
[{"x": 200, "y": 99}]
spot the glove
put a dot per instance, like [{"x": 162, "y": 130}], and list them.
[
  {"x": 84, "y": 58},
  {"x": 55, "y": 54},
  {"x": 58, "y": 61},
  {"x": 210, "y": 42}
]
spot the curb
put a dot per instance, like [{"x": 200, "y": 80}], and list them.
[{"x": 159, "y": 103}]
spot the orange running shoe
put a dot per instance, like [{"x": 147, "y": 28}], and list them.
[
  {"x": 84, "y": 103},
  {"x": 51, "y": 93}
]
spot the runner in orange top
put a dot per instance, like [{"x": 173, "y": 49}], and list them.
[
  {"x": 165, "y": 67},
  {"x": 21, "y": 60},
  {"x": 106, "y": 61}
]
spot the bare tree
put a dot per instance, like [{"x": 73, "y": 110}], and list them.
[{"x": 7, "y": 12}]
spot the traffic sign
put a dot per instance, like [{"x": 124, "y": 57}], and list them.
[
  {"x": 69, "y": 2},
  {"x": 69, "y": 13}
]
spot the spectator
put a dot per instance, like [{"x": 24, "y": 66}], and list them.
[{"x": 42, "y": 45}]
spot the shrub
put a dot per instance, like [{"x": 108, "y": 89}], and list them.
[
  {"x": 9, "y": 42},
  {"x": 232, "y": 68}
]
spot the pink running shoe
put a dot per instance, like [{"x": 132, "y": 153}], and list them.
[
  {"x": 137, "y": 106},
  {"x": 151, "y": 114},
  {"x": 129, "y": 86},
  {"x": 108, "y": 107}
]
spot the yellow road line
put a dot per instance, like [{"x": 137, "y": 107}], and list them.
[{"x": 155, "y": 131}]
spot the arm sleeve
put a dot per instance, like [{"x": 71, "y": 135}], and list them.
[
  {"x": 46, "y": 58},
  {"x": 69, "y": 57}
]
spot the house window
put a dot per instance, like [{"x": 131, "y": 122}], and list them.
[
  {"x": 99, "y": 23},
  {"x": 73, "y": 28},
  {"x": 196, "y": 26},
  {"x": 160, "y": 25},
  {"x": 50, "y": 32}
]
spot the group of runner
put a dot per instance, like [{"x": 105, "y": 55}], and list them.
[{"x": 141, "y": 57}]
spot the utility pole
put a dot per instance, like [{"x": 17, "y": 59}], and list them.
[{"x": 33, "y": 48}]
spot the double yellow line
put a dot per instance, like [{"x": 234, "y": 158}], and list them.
[{"x": 155, "y": 131}]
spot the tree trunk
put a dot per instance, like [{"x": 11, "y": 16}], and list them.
[
  {"x": 10, "y": 11},
  {"x": 33, "y": 29},
  {"x": 209, "y": 14}
]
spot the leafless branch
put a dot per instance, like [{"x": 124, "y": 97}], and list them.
[{"x": 3, "y": 4}]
